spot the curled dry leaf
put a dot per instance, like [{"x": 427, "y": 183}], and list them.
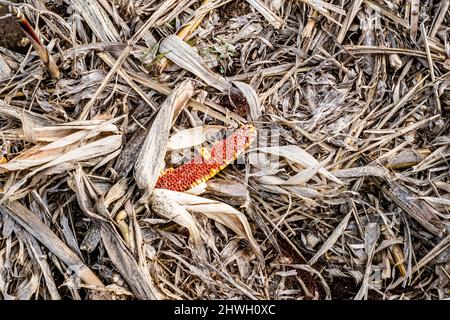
[
  {"x": 46, "y": 158},
  {"x": 371, "y": 236},
  {"x": 298, "y": 155},
  {"x": 95, "y": 149},
  {"x": 98, "y": 20},
  {"x": 219, "y": 211},
  {"x": 328, "y": 244},
  {"x": 186, "y": 57},
  {"x": 271, "y": 17},
  {"x": 165, "y": 206},
  {"x": 252, "y": 98},
  {"x": 303, "y": 176},
  {"x": 77, "y": 144}
]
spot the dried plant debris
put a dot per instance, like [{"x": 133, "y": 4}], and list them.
[{"x": 111, "y": 110}]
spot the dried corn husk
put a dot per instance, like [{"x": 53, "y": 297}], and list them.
[{"x": 151, "y": 157}]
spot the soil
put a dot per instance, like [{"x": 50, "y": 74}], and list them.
[{"x": 10, "y": 33}]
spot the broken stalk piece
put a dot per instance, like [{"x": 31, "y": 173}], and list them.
[{"x": 35, "y": 42}]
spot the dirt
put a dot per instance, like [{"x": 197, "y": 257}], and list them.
[
  {"x": 235, "y": 9},
  {"x": 343, "y": 288},
  {"x": 10, "y": 33}
]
